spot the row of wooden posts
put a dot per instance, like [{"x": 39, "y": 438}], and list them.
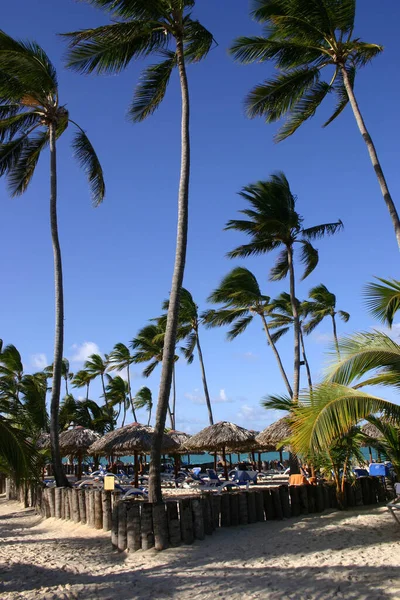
[{"x": 142, "y": 525}]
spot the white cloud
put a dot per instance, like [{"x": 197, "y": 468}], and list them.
[
  {"x": 81, "y": 352},
  {"x": 222, "y": 396},
  {"x": 394, "y": 332},
  {"x": 198, "y": 398},
  {"x": 39, "y": 361},
  {"x": 251, "y": 414},
  {"x": 322, "y": 338}
]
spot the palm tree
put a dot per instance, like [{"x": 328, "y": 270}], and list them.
[
  {"x": 324, "y": 305},
  {"x": 120, "y": 358},
  {"x": 149, "y": 347},
  {"x": 65, "y": 373},
  {"x": 82, "y": 378},
  {"x": 241, "y": 298},
  {"x": 86, "y": 413},
  {"x": 118, "y": 394},
  {"x": 144, "y": 399},
  {"x": 32, "y": 118},
  {"x": 388, "y": 444},
  {"x": 281, "y": 320},
  {"x": 97, "y": 366},
  {"x": 164, "y": 28},
  {"x": 383, "y": 299},
  {"x": 273, "y": 223},
  {"x": 189, "y": 323},
  {"x": 302, "y": 38}
]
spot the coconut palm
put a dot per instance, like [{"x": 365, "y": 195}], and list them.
[
  {"x": 273, "y": 223},
  {"x": 31, "y": 119},
  {"x": 86, "y": 413},
  {"x": 388, "y": 442},
  {"x": 188, "y": 330},
  {"x": 241, "y": 298},
  {"x": 65, "y": 373},
  {"x": 144, "y": 399},
  {"x": 323, "y": 304},
  {"x": 147, "y": 27},
  {"x": 281, "y": 320},
  {"x": 120, "y": 358},
  {"x": 118, "y": 395},
  {"x": 97, "y": 366},
  {"x": 305, "y": 38},
  {"x": 383, "y": 299},
  {"x": 149, "y": 347},
  {"x": 82, "y": 378}
]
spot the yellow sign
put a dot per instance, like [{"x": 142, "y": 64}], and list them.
[{"x": 109, "y": 482}]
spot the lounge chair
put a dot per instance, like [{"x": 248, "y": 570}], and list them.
[{"x": 394, "y": 505}]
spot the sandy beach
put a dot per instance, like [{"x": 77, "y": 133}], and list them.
[{"x": 348, "y": 555}]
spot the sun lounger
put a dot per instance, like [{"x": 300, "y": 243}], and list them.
[{"x": 394, "y": 506}]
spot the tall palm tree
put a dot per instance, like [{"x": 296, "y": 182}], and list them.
[
  {"x": 273, "y": 222},
  {"x": 144, "y": 399},
  {"x": 120, "y": 358},
  {"x": 383, "y": 299},
  {"x": 118, "y": 394},
  {"x": 189, "y": 324},
  {"x": 97, "y": 366},
  {"x": 31, "y": 119},
  {"x": 86, "y": 413},
  {"x": 303, "y": 38},
  {"x": 323, "y": 304},
  {"x": 281, "y": 320},
  {"x": 149, "y": 347},
  {"x": 65, "y": 373},
  {"x": 165, "y": 28},
  {"x": 241, "y": 298},
  {"x": 82, "y": 378}
]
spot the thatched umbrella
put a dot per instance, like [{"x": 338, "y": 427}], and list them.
[
  {"x": 131, "y": 439},
  {"x": 373, "y": 432},
  {"x": 218, "y": 437},
  {"x": 180, "y": 437},
  {"x": 76, "y": 441},
  {"x": 274, "y": 434}
]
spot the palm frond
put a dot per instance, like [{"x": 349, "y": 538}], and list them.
[
  {"x": 197, "y": 40},
  {"x": 320, "y": 231},
  {"x": 341, "y": 93},
  {"x": 277, "y": 402},
  {"x": 276, "y": 335},
  {"x": 345, "y": 316},
  {"x": 309, "y": 257},
  {"x": 88, "y": 160},
  {"x": 383, "y": 299},
  {"x": 21, "y": 173},
  {"x": 303, "y": 109},
  {"x": 281, "y": 268}
]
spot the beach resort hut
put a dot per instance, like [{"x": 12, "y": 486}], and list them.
[
  {"x": 132, "y": 439},
  {"x": 219, "y": 437},
  {"x": 274, "y": 435},
  {"x": 372, "y": 432},
  {"x": 76, "y": 442}
]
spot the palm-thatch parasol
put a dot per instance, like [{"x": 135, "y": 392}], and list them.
[
  {"x": 77, "y": 441},
  {"x": 218, "y": 437},
  {"x": 131, "y": 439},
  {"x": 372, "y": 432},
  {"x": 274, "y": 434}
]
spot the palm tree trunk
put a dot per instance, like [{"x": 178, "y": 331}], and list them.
[
  {"x": 155, "y": 494},
  {"x": 335, "y": 337},
  {"x": 61, "y": 479},
  {"x": 173, "y": 397},
  {"x": 303, "y": 350},
  {"x": 277, "y": 356},
  {"x": 373, "y": 155},
  {"x": 130, "y": 394},
  {"x": 87, "y": 390},
  {"x": 203, "y": 377},
  {"x": 296, "y": 326},
  {"x": 66, "y": 387},
  {"x": 109, "y": 409}
]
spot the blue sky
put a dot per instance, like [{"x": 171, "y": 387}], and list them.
[{"x": 118, "y": 258}]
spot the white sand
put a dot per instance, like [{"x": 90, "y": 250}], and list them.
[{"x": 349, "y": 555}]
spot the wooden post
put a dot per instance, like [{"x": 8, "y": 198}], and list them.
[
  {"x": 8, "y": 488},
  {"x": 276, "y": 499},
  {"x": 133, "y": 537},
  {"x": 259, "y": 506},
  {"x": 106, "y": 502},
  {"x": 364, "y": 490},
  {"x": 380, "y": 489},
  {"x": 350, "y": 494},
  {"x": 216, "y": 509},
  {"x": 295, "y": 500},
  {"x": 303, "y": 499},
  {"x": 114, "y": 525},
  {"x": 225, "y": 510},
  {"x": 160, "y": 526},
  {"x": 122, "y": 533},
  {"x": 87, "y": 505},
  {"x": 284, "y": 495},
  {"x": 98, "y": 510},
  {"x": 75, "y": 506},
  {"x": 207, "y": 515},
  {"x": 82, "y": 505},
  {"x": 146, "y": 532},
  {"x": 251, "y": 507},
  {"x": 319, "y": 498},
  {"x": 327, "y": 498},
  {"x": 57, "y": 502},
  {"x": 62, "y": 503},
  {"x": 174, "y": 526},
  {"x": 243, "y": 511},
  {"x": 52, "y": 492},
  {"x": 311, "y": 498},
  {"x": 269, "y": 508},
  {"x": 90, "y": 518},
  {"x": 185, "y": 511},
  {"x": 234, "y": 508},
  {"x": 67, "y": 509},
  {"x": 198, "y": 520}
]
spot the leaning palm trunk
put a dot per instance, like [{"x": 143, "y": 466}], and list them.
[
  {"x": 155, "y": 494},
  {"x": 373, "y": 155},
  {"x": 306, "y": 364},
  {"x": 277, "y": 356},
  {"x": 335, "y": 337},
  {"x": 204, "y": 379},
  {"x": 130, "y": 394},
  {"x": 296, "y": 327},
  {"x": 60, "y": 477}
]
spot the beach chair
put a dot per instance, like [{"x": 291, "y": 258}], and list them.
[
  {"x": 394, "y": 505},
  {"x": 133, "y": 492}
]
